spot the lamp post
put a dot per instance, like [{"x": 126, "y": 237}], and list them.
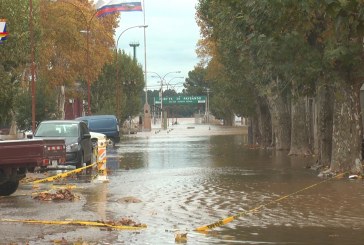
[
  {"x": 174, "y": 85},
  {"x": 163, "y": 124},
  {"x": 118, "y": 86},
  {"x": 169, "y": 82},
  {"x": 207, "y": 110},
  {"x": 32, "y": 61}
]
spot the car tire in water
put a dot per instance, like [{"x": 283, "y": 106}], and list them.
[{"x": 9, "y": 187}]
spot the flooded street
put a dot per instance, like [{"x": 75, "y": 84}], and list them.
[{"x": 177, "y": 180}]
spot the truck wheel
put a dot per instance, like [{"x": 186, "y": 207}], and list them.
[{"x": 9, "y": 187}]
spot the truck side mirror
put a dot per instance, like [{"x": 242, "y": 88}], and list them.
[{"x": 86, "y": 136}]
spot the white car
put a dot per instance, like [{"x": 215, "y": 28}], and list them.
[{"x": 99, "y": 139}]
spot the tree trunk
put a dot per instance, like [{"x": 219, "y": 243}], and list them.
[
  {"x": 262, "y": 124},
  {"x": 325, "y": 107},
  {"x": 299, "y": 130},
  {"x": 347, "y": 136},
  {"x": 61, "y": 101},
  {"x": 256, "y": 135},
  {"x": 310, "y": 120},
  {"x": 281, "y": 122},
  {"x": 250, "y": 132},
  {"x": 228, "y": 119}
]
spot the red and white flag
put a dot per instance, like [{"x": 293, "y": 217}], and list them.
[
  {"x": 105, "y": 7},
  {"x": 3, "y": 32}
]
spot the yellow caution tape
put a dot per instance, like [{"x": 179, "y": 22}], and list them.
[
  {"x": 231, "y": 218},
  {"x": 76, "y": 222},
  {"x": 63, "y": 175},
  {"x": 69, "y": 187}
]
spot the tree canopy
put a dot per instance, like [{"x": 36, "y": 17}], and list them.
[{"x": 71, "y": 44}]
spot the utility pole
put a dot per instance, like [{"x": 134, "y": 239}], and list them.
[
  {"x": 134, "y": 45},
  {"x": 32, "y": 68},
  {"x": 207, "y": 105}
]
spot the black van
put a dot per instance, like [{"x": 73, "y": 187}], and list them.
[{"x": 104, "y": 124}]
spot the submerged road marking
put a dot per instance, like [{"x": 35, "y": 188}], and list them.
[{"x": 231, "y": 218}]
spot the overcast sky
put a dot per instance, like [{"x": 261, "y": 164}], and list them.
[{"x": 171, "y": 38}]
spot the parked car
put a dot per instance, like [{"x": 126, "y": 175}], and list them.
[
  {"x": 77, "y": 138},
  {"x": 104, "y": 124}
]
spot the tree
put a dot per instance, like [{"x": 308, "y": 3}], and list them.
[
  {"x": 289, "y": 51},
  {"x": 73, "y": 47},
  {"x": 45, "y": 105},
  {"x": 196, "y": 82},
  {"x": 14, "y": 55},
  {"x": 60, "y": 53},
  {"x": 131, "y": 81},
  {"x": 343, "y": 54}
]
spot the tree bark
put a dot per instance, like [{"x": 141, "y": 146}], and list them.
[
  {"x": 325, "y": 107},
  {"x": 262, "y": 124},
  {"x": 299, "y": 131},
  {"x": 347, "y": 135},
  {"x": 61, "y": 101},
  {"x": 228, "y": 119},
  {"x": 256, "y": 137},
  {"x": 281, "y": 122}
]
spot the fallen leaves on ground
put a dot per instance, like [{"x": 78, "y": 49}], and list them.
[
  {"x": 62, "y": 194},
  {"x": 123, "y": 222},
  {"x": 180, "y": 238},
  {"x": 63, "y": 241}
]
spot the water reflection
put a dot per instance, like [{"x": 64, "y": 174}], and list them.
[
  {"x": 188, "y": 181},
  {"x": 96, "y": 200}
]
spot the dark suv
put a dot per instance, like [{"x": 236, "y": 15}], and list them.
[
  {"x": 104, "y": 124},
  {"x": 77, "y": 137}
]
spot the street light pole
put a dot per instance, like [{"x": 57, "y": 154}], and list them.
[
  {"x": 118, "y": 84},
  {"x": 163, "y": 126},
  {"x": 207, "y": 110},
  {"x": 169, "y": 82},
  {"x": 32, "y": 61}
]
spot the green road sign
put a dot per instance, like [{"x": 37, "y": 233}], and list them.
[{"x": 181, "y": 100}]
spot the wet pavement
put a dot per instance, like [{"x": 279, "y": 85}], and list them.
[{"x": 192, "y": 175}]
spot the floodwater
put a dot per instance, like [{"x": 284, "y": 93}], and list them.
[{"x": 196, "y": 175}]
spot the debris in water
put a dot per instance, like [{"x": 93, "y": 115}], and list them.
[
  {"x": 181, "y": 238},
  {"x": 129, "y": 200},
  {"x": 354, "y": 176},
  {"x": 63, "y": 241},
  {"x": 123, "y": 222},
  {"x": 62, "y": 194}
]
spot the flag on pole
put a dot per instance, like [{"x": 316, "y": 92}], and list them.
[
  {"x": 105, "y": 7},
  {"x": 3, "y": 32}
]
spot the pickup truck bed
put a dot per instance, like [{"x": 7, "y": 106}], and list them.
[{"x": 17, "y": 157}]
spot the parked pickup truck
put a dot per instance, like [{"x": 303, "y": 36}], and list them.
[{"x": 17, "y": 157}]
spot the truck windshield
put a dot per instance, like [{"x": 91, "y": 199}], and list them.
[{"x": 57, "y": 130}]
